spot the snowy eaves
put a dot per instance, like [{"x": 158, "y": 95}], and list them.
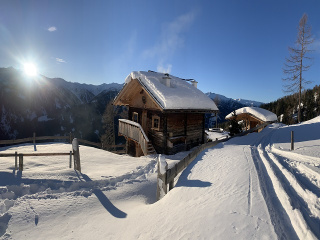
[
  {"x": 173, "y": 94},
  {"x": 259, "y": 113}
]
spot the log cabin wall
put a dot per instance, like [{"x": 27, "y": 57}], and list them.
[
  {"x": 185, "y": 130},
  {"x": 195, "y": 129}
]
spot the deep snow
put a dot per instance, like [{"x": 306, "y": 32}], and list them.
[{"x": 250, "y": 187}]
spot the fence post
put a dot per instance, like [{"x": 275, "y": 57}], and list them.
[
  {"x": 292, "y": 141},
  {"x": 76, "y": 154},
  {"x": 16, "y": 161},
  {"x": 34, "y": 141},
  {"x": 70, "y": 162},
  {"x": 70, "y": 137},
  {"x": 161, "y": 179},
  {"x": 20, "y": 162}
]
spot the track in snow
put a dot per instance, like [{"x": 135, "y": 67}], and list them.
[{"x": 291, "y": 195}]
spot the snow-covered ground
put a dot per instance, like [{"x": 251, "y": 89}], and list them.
[
  {"x": 250, "y": 187},
  {"x": 217, "y": 135}
]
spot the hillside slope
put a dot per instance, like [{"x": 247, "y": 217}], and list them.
[{"x": 249, "y": 187}]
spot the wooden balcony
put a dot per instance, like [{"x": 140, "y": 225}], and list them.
[{"x": 134, "y": 131}]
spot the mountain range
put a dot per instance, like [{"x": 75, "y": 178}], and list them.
[{"x": 53, "y": 106}]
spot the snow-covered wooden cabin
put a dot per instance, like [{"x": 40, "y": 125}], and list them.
[
  {"x": 253, "y": 116},
  {"x": 166, "y": 113}
]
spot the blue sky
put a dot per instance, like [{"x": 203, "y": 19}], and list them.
[{"x": 235, "y": 48}]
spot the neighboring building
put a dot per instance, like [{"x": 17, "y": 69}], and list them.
[
  {"x": 166, "y": 113},
  {"x": 253, "y": 116}
]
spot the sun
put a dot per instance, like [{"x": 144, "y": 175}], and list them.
[{"x": 30, "y": 69}]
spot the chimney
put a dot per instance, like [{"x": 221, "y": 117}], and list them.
[
  {"x": 194, "y": 83},
  {"x": 166, "y": 79}
]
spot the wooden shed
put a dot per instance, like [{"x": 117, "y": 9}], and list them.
[
  {"x": 253, "y": 116},
  {"x": 166, "y": 113}
]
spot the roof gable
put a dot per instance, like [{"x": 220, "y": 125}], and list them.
[
  {"x": 173, "y": 93},
  {"x": 134, "y": 95}
]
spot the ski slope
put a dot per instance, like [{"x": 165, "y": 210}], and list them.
[{"x": 250, "y": 187}]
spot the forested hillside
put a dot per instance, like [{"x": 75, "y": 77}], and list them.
[
  {"x": 286, "y": 108},
  {"x": 52, "y": 106}
]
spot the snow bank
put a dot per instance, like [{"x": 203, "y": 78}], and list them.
[
  {"x": 260, "y": 113},
  {"x": 179, "y": 95}
]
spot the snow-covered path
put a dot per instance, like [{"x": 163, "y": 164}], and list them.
[{"x": 250, "y": 187}]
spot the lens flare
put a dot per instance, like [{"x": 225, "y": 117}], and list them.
[{"x": 30, "y": 69}]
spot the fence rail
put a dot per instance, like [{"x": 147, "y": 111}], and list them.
[
  {"x": 34, "y": 139},
  {"x": 75, "y": 153},
  {"x": 41, "y": 138},
  {"x": 119, "y": 149}
]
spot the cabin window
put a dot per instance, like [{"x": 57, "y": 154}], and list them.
[
  {"x": 135, "y": 117},
  {"x": 156, "y": 122}
]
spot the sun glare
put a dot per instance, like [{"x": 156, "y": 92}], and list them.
[{"x": 30, "y": 69}]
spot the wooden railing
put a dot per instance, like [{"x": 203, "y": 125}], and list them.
[
  {"x": 33, "y": 139},
  {"x": 135, "y": 132},
  {"x": 75, "y": 153},
  {"x": 42, "y": 138}
]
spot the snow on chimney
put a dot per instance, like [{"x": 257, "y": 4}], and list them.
[
  {"x": 166, "y": 79},
  {"x": 194, "y": 83}
]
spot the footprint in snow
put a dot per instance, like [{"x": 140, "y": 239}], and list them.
[{"x": 36, "y": 219}]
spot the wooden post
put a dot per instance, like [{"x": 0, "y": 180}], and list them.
[
  {"x": 70, "y": 137},
  {"x": 76, "y": 154},
  {"x": 70, "y": 162},
  {"x": 292, "y": 141},
  {"x": 15, "y": 161},
  {"x": 34, "y": 141},
  {"x": 20, "y": 162},
  {"x": 161, "y": 179},
  {"x": 216, "y": 120},
  {"x": 171, "y": 185}
]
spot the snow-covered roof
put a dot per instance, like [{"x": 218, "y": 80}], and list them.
[
  {"x": 260, "y": 113},
  {"x": 172, "y": 92}
]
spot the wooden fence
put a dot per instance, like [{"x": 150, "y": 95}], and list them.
[
  {"x": 75, "y": 153},
  {"x": 69, "y": 138},
  {"x": 167, "y": 177}
]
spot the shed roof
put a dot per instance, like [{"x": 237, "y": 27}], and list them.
[
  {"x": 175, "y": 94},
  {"x": 259, "y": 113}
]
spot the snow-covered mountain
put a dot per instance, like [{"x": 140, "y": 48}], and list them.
[
  {"x": 85, "y": 92},
  {"x": 245, "y": 102},
  {"x": 249, "y": 103}
]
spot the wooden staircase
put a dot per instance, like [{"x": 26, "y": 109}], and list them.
[
  {"x": 134, "y": 131},
  {"x": 151, "y": 149}
]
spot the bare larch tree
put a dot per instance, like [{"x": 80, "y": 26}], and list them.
[{"x": 295, "y": 64}]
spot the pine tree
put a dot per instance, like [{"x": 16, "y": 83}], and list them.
[
  {"x": 295, "y": 65},
  {"x": 108, "y": 138},
  {"x": 235, "y": 127}
]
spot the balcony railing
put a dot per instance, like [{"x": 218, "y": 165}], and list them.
[{"x": 134, "y": 131}]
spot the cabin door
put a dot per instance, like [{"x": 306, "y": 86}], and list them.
[{"x": 144, "y": 121}]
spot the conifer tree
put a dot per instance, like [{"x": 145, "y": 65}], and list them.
[{"x": 235, "y": 127}]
